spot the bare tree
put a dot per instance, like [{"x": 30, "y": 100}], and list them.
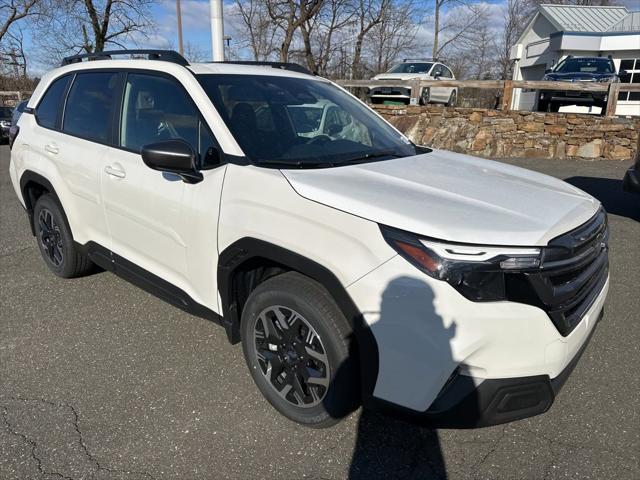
[
  {"x": 458, "y": 25},
  {"x": 369, "y": 13},
  {"x": 289, "y": 15},
  {"x": 319, "y": 33},
  {"x": 394, "y": 36},
  {"x": 257, "y": 30},
  {"x": 12, "y": 11},
  {"x": 73, "y": 26}
]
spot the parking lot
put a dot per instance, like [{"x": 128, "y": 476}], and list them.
[{"x": 100, "y": 380}]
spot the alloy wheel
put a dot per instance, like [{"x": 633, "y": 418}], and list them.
[
  {"x": 291, "y": 356},
  {"x": 50, "y": 237}
]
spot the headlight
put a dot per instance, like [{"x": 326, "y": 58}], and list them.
[
  {"x": 477, "y": 272},
  {"x": 547, "y": 78},
  {"x": 5, "y": 123},
  {"x": 612, "y": 79}
]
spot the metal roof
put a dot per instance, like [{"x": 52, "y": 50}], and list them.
[
  {"x": 630, "y": 23},
  {"x": 576, "y": 18}
]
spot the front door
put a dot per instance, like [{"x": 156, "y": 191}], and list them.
[{"x": 151, "y": 214}]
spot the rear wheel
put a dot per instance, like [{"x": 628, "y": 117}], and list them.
[
  {"x": 453, "y": 99},
  {"x": 295, "y": 341},
  {"x": 425, "y": 96},
  {"x": 61, "y": 254}
]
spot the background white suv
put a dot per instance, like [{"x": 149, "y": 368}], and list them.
[
  {"x": 352, "y": 265},
  {"x": 422, "y": 69}
]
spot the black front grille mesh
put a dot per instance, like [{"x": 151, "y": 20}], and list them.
[{"x": 573, "y": 272}]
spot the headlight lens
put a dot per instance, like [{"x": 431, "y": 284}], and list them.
[
  {"x": 546, "y": 78},
  {"x": 608, "y": 79},
  {"x": 477, "y": 272}
]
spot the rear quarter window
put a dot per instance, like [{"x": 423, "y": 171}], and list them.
[
  {"x": 50, "y": 106},
  {"x": 90, "y": 105}
]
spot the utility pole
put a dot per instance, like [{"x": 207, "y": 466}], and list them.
[
  {"x": 179, "y": 14},
  {"x": 217, "y": 31}
]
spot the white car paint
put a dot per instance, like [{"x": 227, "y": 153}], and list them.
[
  {"x": 423, "y": 327},
  {"x": 452, "y": 197},
  {"x": 436, "y": 94}
]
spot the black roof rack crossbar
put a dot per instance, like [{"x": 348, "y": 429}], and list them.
[
  {"x": 294, "y": 67},
  {"x": 163, "y": 55}
]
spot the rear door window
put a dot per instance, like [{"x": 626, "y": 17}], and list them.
[
  {"x": 49, "y": 108},
  {"x": 89, "y": 110}
]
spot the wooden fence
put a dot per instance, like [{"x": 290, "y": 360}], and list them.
[{"x": 507, "y": 87}]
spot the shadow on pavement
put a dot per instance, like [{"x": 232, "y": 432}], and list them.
[
  {"x": 609, "y": 191},
  {"x": 387, "y": 447}
]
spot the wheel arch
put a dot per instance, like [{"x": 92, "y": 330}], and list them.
[
  {"x": 32, "y": 186},
  {"x": 248, "y": 253}
]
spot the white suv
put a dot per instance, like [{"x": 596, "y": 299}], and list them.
[
  {"x": 422, "y": 70},
  {"x": 354, "y": 266}
]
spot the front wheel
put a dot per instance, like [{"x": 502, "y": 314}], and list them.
[{"x": 296, "y": 342}]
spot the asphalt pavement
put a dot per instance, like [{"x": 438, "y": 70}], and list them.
[{"x": 100, "y": 380}]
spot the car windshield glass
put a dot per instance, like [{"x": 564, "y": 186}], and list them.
[
  {"x": 5, "y": 112},
  {"x": 585, "y": 65},
  {"x": 302, "y": 123},
  {"x": 407, "y": 67}
]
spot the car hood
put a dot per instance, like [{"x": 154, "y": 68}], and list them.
[
  {"x": 396, "y": 76},
  {"x": 451, "y": 197}
]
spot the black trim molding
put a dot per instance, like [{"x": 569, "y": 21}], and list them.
[{"x": 248, "y": 249}]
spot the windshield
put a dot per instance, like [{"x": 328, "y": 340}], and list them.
[
  {"x": 297, "y": 122},
  {"x": 5, "y": 112},
  {"x": 411, "y": 68},
  {"x": 585, "y": 65}
]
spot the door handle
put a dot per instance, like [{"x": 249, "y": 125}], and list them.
[
  {"x": 115, "y": 171},
  {"x": 51, "y": 148}
]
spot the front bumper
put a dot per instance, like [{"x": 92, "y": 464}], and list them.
[
  {"x": 466, "y": 402},
  {"x": 631, "y": 182},
  {"x": 575, "y": 97}
]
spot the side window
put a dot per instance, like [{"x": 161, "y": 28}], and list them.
[
  {"x": 437, "y": 71},
  {"x": 90, "y": 105},
  {"x": 49, "y": 107},
  {"x": 208, "y": 148},
  {"x": 446, "y": 73},
  {"x": 154, "y": 109}
]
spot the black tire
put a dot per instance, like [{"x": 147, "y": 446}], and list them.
[
  {"x": 553, "y": 107},
  {"x": 296, "y": 293},
  {"x": 425, "y": 96},
  {"x": 59, "y": 251},
  {"x": 453, "y": 99},
  {"x": 543, "y": 106},
  {"x": 376, "y": 100}
]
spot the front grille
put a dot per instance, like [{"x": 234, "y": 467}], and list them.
[{"x": 573, "y": 271}]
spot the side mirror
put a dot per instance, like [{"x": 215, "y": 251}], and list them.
[
  {"x": 437, "y": 76},
  {"x": 173, "y": 156}
]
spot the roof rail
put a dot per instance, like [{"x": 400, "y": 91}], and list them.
[
  {"x": 420, "y": 59},
  {"x": 163, "y": 55},
  {"x": 294, "y": 67}
]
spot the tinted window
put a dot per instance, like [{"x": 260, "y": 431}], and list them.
[
  {"x": 50, "y": 105},
  {"x": 90, "y": 105},
  {"x": 411, "y": 68},
  {"x": 352, "y": 132},
  {"x": 585, "y": 65},
  {"x": 155, "y": 109},
  {"x": 5, "y": 113},
  {"x": 446, "y": 73}
]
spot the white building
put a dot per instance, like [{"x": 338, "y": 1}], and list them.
[{"x": 556, "y": 31}]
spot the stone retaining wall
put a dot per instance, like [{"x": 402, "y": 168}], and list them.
[{"x": 514, "y": 134}]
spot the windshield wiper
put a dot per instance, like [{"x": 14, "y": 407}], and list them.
[
  {"x": 371, "y": 156},
  {"x": 295, "y": 164}
]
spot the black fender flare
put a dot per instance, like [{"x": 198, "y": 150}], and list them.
[
  {"x": 27, "y": 177},
  {"x": 248, "y": 248}
]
